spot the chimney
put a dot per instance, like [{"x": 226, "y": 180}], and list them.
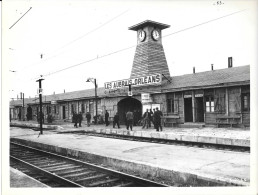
[
  {"x": 194, "y": 70},
  {"x": 230, "y": 62},
  {"x": 211, "y": 66}
]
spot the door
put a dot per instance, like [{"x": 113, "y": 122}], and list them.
[
  {"x": 63, "y": 112},
  {"x": 199, "y": 109},
  {"x": 188, "y": 110}
]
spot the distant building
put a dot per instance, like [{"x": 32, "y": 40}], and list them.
[{"x": 211, "y": 97}]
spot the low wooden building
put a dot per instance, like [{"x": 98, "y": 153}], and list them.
[{"x": 211, "y": 97}]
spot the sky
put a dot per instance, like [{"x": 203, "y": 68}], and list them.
[{"x": 69, "y": 41}]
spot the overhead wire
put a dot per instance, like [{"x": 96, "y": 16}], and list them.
[
  {"x": 87, "y": 61},
  {"x": 71, "y": 42}
]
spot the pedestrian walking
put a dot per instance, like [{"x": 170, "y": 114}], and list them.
[
  {"x": 157, "y": 119},
  {"x": 146, "y": 118},
  {"x": 80, "y": 119},
  {"x": 116, "y": 121},
  {"x": 88, "y": 118},
  {"x": 75, "y": 119},
  {"x": 129, "y": 119},
  {"x": 106, "y": 118}
]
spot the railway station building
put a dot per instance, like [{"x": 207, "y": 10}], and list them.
[{"x": 211, "y": 97}]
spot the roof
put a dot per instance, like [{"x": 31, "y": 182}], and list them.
[
  {"x": 147, "y": 23},
  {"x": 215, "y": 78}
]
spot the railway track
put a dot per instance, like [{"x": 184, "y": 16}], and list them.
[
  {"x": 164, "y": 141},
  {"x": 60, "y": 171}
]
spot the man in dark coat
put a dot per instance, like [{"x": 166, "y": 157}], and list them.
[
  {"x": 146, "y": 119},
  {"x": 129, "y": 118},
  {"x": 88, "y": 117},
  {"x": 151, "y": 118},
  {"x": 106, "y": 118},
  {"x": 80, "y": 119},
  {"x": 116, "y": 121},
  {"x": 75, "y": 119},
  {"x": 157, "y": 119}
]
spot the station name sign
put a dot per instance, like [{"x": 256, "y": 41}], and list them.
[{"x": 145, "y": 80}]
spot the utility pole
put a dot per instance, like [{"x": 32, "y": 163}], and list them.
[
  {"x": 40, "y": 105},
  {"x": 22, "y": 110}
]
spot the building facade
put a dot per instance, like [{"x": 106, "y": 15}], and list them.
[{"x": 206, "y": 97}]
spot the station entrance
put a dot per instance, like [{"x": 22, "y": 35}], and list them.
[{"x": 127, "y": 104}]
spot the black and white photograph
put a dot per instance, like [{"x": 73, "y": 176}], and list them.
[{"x": 129, "y": 97}]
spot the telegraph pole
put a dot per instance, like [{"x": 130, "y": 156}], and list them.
[{"x": 40, "y": 105}]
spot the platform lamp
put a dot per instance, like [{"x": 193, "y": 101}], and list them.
[{"x": 94, "y": 81}]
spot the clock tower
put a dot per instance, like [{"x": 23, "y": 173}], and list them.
[{"x": 149, "y": 56}]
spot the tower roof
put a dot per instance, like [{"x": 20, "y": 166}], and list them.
[{"x": 148, "y": 22}]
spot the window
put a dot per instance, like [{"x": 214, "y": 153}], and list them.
[
  {"x": 246, "y": 102},
  {"x": 83, "y": 108},
  {"x": 54, "y": 109},
  {"x": 48, "y": 109},
  {"x": 172, "y": 105},
  {"x": 209, "y": 104},
  {"x": 72, "y": 108}
]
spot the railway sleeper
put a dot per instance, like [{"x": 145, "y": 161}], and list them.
[
  {"x": 64, "y": 172},
  {"x": 92, "y": 178},
  {"x": 52, "y": 164},
  {"x": 56, "y": 166},
  {"x": 104, "y": 183},
  {"x": 78, "y": 175},
  {"x": 56, "y": 170},
  {"x": 43, "y": 162}
]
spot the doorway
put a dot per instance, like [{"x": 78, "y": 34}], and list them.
[
  {"x": 188, "y": 110},
  {"x": 63, "y": 112},
  {"x": 127, "y": 104},
  {"x": 199, "y": 109},
  {"x": 29, "y": 113}
]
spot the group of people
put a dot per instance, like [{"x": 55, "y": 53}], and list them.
[
  {"x": 152, "y": 117},
  {"x": 148, "y": 117},
  {"x": 77, "y": 118}
]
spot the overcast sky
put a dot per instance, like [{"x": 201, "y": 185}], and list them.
[{"x": 90, "y": 38}]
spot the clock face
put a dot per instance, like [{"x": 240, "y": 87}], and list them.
[
  {"x": 141, "y": 35},
  {"x": 155, "y": 35}
]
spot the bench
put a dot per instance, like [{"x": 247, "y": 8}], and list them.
[
  {"x": 170, "y": 120},
  {"x": 228, "y": 120}
]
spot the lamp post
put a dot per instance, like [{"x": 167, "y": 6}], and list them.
[
  {"x": 94, "y": 81},
  {"x": 40, "y": 105}
]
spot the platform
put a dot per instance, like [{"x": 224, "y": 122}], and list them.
[
  {"x": 179, "y": 164},
  {"x": 211, "y": 135}
]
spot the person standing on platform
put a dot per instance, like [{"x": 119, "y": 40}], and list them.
[
  {"x": 106, "y": 118},
  {"x": 88, "y": 117},
  {"x": 157, "y": 119},
  {"x": 116, "y": 121},
  {"x": 75, "y": 119},
  {"x": 151, "y": 118},
  {"x": 146, "y": 118},
  {"x": 129, "y": 119},
  {"x": 80, "y": 119}
]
